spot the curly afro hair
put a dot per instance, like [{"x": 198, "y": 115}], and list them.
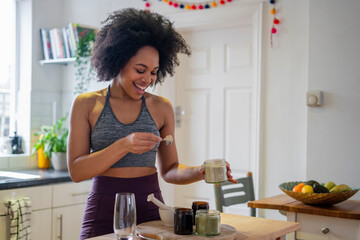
[{"x": 126, "y": 31}]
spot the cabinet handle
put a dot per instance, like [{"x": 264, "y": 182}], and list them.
[
  {"x": 78, "y": 194},
  {"x": 325, "y": 230},
  {"x": 60, "y": 218}
]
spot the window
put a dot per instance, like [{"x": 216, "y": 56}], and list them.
[{"x": 7, "y": 65}]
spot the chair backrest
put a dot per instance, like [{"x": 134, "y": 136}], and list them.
[{"x": 245, "y": 188}]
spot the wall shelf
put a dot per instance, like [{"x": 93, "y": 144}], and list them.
[{"x": 64, "y": 61}]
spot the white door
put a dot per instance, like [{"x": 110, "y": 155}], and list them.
[{"x": 214, "y": 95}]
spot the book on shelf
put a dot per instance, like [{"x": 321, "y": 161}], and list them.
[
  {"x": 66, "y": 43},
  {"x": 44, "y": 33},
  {"x": 54, "y": 43},
  {"x": 62, "y": 43}
]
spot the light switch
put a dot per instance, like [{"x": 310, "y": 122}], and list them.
[{"x": 314, "y": 98}]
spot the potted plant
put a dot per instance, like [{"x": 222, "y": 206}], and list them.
[
  {"x": 84, "y": 72},
  {"x": 53, "y": 143}
]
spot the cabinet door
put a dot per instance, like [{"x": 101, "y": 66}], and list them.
[
  {"x": 315, "y": 227},
  {"x": 41, "y": 224},
  {"x": 66, "y": 222},
  {"x": 70, "y": 193},
  {"x": 40, "y": 197},
  {"x": 4, "y": 232}
]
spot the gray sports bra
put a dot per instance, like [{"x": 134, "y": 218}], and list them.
[{"x": 108, "y": 129}]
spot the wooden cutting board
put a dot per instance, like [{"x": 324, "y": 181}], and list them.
[{"x": 227, "y": 232}]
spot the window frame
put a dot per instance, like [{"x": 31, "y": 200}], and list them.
[
  {"x": 14, "y": 85},
  {"x": 19, "y": 120}
]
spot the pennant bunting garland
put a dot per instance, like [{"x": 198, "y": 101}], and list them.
[
  {"x": 275, "y": 21},
  {"x": 190, "y": 6}
]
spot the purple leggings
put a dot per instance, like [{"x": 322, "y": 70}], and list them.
[{"x": 99, "y": 210}]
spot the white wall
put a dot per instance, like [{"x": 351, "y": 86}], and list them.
[
  {"x": 315, "y": 48},
  {"x": 285, "y": 76},
  {"x": 334, "y": 59}
]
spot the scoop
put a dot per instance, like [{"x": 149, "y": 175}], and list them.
[
  {"x": 168, "y": 140},
  {"x": 153, "y": 199}
]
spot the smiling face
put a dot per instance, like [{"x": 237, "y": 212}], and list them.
[{"x": 140, "y": 72}]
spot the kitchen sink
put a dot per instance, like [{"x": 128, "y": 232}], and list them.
[
  {"x": 4, "y": 178},
  {"x": 7, "y": 175}
]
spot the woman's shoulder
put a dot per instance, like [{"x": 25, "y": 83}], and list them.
[
  {"x": 157, "y": 101},
  {"x": 90, "y": 98},
  {"x": 160, "y": 108}
]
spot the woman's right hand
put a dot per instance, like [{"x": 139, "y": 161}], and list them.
[{"x": 140, "y": 142}]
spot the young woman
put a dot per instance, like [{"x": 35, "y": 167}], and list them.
[{"x": 116, "y": 133}]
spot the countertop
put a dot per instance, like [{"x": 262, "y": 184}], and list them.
[
  {"x": 249, "y": 228},
  {"x": 44, "y": 177},
  {"x": 349, "y": 209}
]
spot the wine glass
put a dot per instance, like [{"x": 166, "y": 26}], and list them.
[{"x": 124, "y": 216}]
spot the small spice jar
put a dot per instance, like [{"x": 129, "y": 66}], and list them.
[
  {"x": 215, "y": 170},
  {"x": 183, "y": 218},
  {"x": 197, "y": 205},
  {"x": 207, "y": 222}
]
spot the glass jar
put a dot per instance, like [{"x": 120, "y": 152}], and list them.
[
  {"x": 183, "y": 218},
  {"x": 197, "y": 205},
  {"x": 215, "y": 170},
  {"x": 207, "y": 222}
]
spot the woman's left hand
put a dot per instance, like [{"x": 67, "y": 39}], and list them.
[{"x": 229, "y": 176}]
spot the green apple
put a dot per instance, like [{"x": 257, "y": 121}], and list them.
[{"x": 329, "y": 185}]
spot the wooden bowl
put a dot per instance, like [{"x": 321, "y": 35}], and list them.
[
  {"x": 316, "y": 198},
  {"x": 149, "y": 236}
]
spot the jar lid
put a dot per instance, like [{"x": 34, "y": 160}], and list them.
[
  {"x": 183, "y": 210},
  {"x": 215, "y": 162},
  {"x": 200, "y": 203},
  {"x": 208, "y": 213}
]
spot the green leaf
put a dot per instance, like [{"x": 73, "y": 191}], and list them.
[
  {"x": 84, "y": 73},
  {"x": 52, "y": 138}
]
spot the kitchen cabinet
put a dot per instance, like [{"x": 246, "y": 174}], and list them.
[
  {"x": 68, "y": 208},
  {"x": 41, "y": 210},
  {"x": 57, "y": 209},
  {"x": 66, "y": 222},
  {"x": 3, "y": 227},
  {"x": 41, "y": 224},
  {"x": 335, "y": 222},
  {"x": 325, "y": 228}
]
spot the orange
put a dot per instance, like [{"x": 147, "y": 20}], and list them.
[
  {"x": 298, "y": 187},
  {"x": 307, "y": 189}
]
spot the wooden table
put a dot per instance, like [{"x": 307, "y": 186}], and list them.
[
  {"x": 318, "y": 222},
  {"x": 250, "y": 228}
]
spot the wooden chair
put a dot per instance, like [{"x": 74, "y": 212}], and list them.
[{"x": 245, "y": 186}]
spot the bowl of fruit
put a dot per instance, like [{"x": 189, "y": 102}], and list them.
[{"x": 313, "y": 193}]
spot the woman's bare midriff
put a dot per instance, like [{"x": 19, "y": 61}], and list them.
[{"x": 129, "y": 172}]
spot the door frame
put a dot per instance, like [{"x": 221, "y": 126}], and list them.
[{"x": 233, "y": 15}]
